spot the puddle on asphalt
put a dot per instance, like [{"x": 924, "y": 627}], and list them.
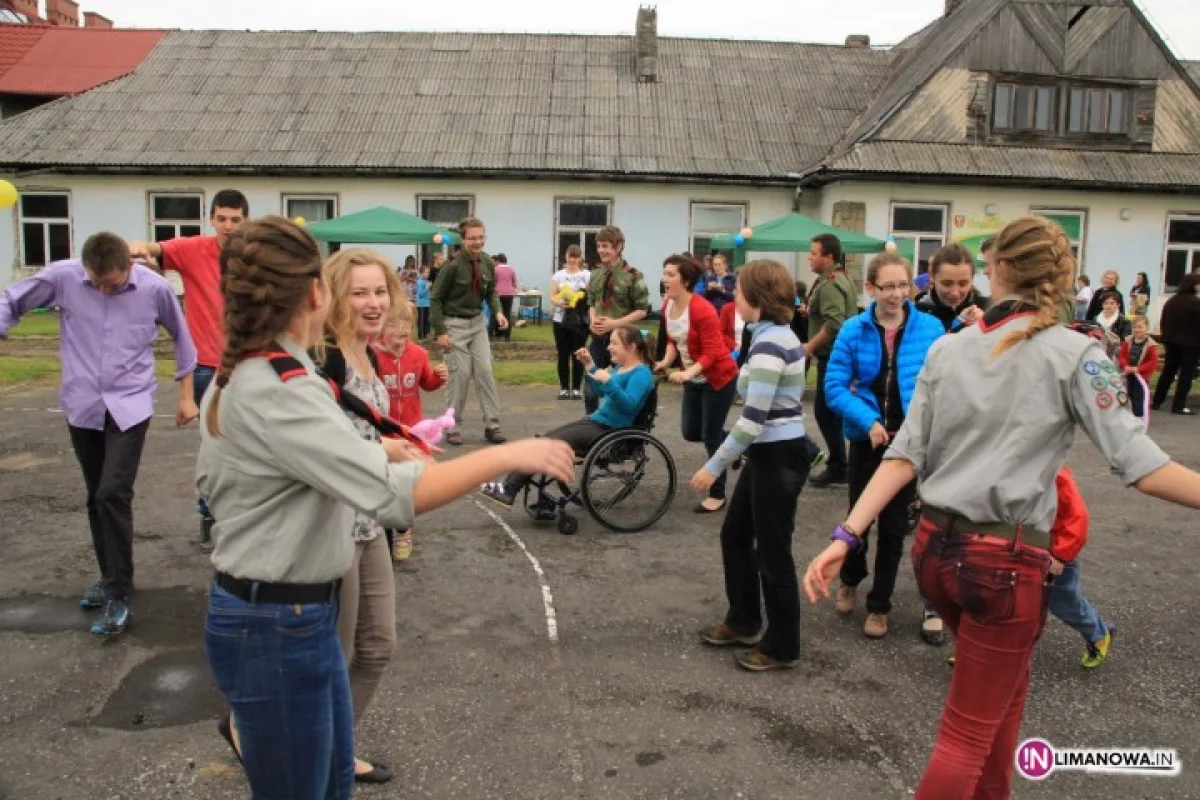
[
  {"x": 42, "y": 614},
  {"x": 171, "y": 689}
]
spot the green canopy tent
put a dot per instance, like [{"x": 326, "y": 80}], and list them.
[
  {"x": 793, "y": 233},
  {"x": 380, "y": 225}
]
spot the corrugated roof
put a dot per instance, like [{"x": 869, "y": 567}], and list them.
[
  {"x": 1025, "y": 164},
  {"x": 395, "y": 101},
  {"x": 1193, "y": 68},
  {"x": 71, "y": 60}
]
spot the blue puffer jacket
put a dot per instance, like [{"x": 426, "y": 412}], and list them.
[{"x": 858, "y": 356}]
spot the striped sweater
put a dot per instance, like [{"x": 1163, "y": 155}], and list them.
[{"x": 772, "y": 383}]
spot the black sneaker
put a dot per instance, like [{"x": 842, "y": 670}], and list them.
[
  {"x": 827, "y": 478},
  {"x": 497, "y": 493},
  {"x": 206, "y": 526},
  {"x": 1183, "y": 412}
]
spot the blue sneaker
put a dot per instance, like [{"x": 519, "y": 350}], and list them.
[
  {"x": 94, "y": 597},
  {"x": 113, "y": 620}
]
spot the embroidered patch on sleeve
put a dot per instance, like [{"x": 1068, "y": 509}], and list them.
[
  {"x": 1091, "y": 367},
  {"x": 1122, "y": 398},
  {"x": 1099, "y": 384},
  {"x": 1104, "y": 401}
]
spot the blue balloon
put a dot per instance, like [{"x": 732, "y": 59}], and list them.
[
  {"x": 735, "y": 354},
  {"x": 739, "y": 240}
]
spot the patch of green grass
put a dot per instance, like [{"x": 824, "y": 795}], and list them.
[
  {"x": 36, "y": 325},
  {"x": 15, "y": 370},
  {"x": 525, "y": 373},
  {"x": 531, "y": 334}
]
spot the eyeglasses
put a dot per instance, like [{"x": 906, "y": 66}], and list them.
[{"x": 903, "y": 286}]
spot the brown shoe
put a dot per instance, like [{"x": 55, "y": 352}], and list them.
[
  {"x": 845, "y": 600},
  {"x": 757, "y": 661},
  {"x": 494, "y": 436},
  {"x": 722, "y": 636},
  {"x": 876, "y": 626}
]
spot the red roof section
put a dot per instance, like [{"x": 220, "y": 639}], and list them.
[{"x": 63, "y": 61}]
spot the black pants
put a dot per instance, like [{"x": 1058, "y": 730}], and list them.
[
  {"x": 109, "y": 460},
  {"x": 422, "y": 322},
  {"x": 702, "y": 419},
  {"x": 580, "y": 434},
  {"x": 598, "y": 347},
  {"x": 1182, "y": 360},
  {"x": 1136, "y": 389},
  {"x": 568, "y": 339},
  {"x": 890, "y": 531},
  {"x": 756, "y": 546},
  {"x": 506, "y": 303},
  {"x": 830, "y": 423}
]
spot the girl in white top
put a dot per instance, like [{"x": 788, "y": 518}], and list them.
[{"x": 570, "y": 322}]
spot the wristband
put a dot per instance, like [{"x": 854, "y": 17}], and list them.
[{"x": 843, "y": 534}]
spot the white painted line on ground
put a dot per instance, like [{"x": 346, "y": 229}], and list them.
[{"x": 547, "y": 597}]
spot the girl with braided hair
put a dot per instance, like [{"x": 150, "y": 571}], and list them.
[
  {"x": 988, "y": 428},
  {"x": 285, "y": 473}
]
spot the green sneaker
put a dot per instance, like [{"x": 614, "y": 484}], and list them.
[{"x": 1097, "y": 652}]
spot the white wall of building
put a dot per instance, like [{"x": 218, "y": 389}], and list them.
[
  {"x": 519, "y": 214},
  {"x": 1110, "y": 242}
]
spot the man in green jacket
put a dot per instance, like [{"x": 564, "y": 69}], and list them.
[
  {"x": 456, "y": 315},
  {"x": 616, "y": 296}
]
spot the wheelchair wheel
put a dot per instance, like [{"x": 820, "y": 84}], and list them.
[
  {"x": 567, "y": 525},
  {"x": 628, "y": 480}
]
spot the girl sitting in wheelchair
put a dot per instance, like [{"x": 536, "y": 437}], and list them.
[{"x": 622, "y": 389}]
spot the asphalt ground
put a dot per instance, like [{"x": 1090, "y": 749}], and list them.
[{"x": 622, "y": 701}]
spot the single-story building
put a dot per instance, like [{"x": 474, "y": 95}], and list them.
[{"x": 996, "y": 109}]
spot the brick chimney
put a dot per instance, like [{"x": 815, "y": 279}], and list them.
[
  {"x": 93, "y": 20},
  {"x": 646, "y": 38},
  {"x": 64, "y": 13},
  {"x": 859, "y": 41},
  {"x": 27, "y": 7}
]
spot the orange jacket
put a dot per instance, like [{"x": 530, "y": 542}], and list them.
[{"x": 1070, "y": 530}]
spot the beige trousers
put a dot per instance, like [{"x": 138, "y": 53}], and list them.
[
  {"x": 367, "y": 619},
  {"x": 470, "y": 359}
]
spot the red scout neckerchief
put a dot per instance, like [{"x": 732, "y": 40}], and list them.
[{"x": 288, "y": 367}]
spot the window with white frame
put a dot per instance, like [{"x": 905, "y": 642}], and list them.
[
  {"x": 709, "y": 220},
  {"x": 45, "y": 228},
  {"x": 576, "y": 222},
  {"x": 312, "y": 207},
  {"x": 1183, "y": 249},
  {"x": 919, "y": 230},
  {"x": 1074, "y": 225},
  {"x": 175, "y": 214},
  {"x": 445, "y": 211}
]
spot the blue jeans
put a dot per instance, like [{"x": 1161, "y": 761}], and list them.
[
  {"x": 1069, "y": 605},
  {"x": 702, "y": 419},
  {"x": 281, "y": 669},
  {"x": 201, "y": 378}
]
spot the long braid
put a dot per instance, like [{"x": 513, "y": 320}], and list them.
[
  {"x": 1039, "y": 263},
  {"x": 267, "y": 268}
]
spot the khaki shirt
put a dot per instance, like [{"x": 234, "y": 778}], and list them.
[
  {"x": 287, "y": 474},
  {"x": 627, "y": 292},
  {"x": 987, "y": 435},
  {"x": 452, "y": 294},
  {"x": 832, "y": 301}
]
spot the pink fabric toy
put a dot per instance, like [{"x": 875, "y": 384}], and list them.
[{"x": 430, "y": 430}]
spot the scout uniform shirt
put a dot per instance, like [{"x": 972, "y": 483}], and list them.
[
  {"x": 287, "y": 474},
  {"x": 460, "y": 289},
  {"x": 832, "y": 301},
  {"x": 617, "y": 290},
  {"x": 970, "y": 464}
]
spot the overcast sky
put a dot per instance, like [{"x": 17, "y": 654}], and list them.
[{"x": 886, "y": 21}]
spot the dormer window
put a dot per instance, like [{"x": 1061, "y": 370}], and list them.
[
  {"x": 1021, "y": 108},
  {"x": 1097, "y": 111}
]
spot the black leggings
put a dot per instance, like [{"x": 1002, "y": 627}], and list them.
[
  {"x": 580, "y": 434},
  {"x": 568, "y": 339}
]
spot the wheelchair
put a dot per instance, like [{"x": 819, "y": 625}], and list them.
[{"x": 627, "y": 484}]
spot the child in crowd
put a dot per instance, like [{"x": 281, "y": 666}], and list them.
[
  {"x": 405, "y": 369},
  {"x": 424, "y": 284},
  {"x": 1138, "y": 359}
]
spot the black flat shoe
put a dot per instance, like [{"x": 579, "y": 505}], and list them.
[
  {"x": 225, "y": 728},
  {"x": 379, "y": 773},
  {"x": 702, "y": 509}
]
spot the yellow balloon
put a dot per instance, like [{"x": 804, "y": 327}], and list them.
[
  {"x": 437, "y": 238},
  {"x": 747, "y": 232},
  {"x": 301, "y": 221},
  {"x": 8, "y": 194}
]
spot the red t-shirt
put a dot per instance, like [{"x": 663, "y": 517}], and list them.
[
  {"x": 404, "y": 376},
  {"x": 197, "y": 259}
]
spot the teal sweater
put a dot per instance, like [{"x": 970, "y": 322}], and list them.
[{"x": 622, "y": 397}]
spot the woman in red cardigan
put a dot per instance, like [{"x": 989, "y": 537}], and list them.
[{"x": 694, "y": 337}]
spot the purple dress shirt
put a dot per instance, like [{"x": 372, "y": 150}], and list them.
[{"x": 107, "y": 340}]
